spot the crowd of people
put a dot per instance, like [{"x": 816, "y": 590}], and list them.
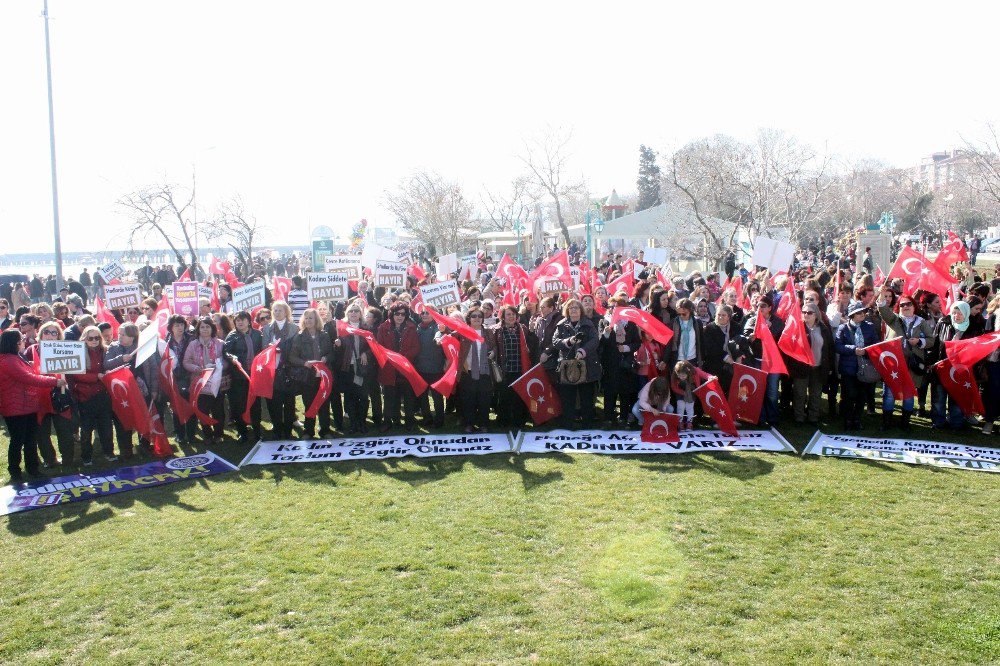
[{"x": 713, "y": 319}]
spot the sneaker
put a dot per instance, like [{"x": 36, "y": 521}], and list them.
[
  {"x": 88, "y": 463},
  {"x": 113, "y": 459},
  {"x": 988, "y": 428}
]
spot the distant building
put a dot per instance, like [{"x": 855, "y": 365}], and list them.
[{"x": 941, "y": 169}]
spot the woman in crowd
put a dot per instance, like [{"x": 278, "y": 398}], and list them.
[
  {"x": 373, "y": 319},
  {"x": 575, "y": 339},
  {"x": 205, "y": 352},
  {"x": 177, "y": 341},
  {"x": 92, "y": 400},
  {"x": 655, "y": 397},
  {"x": 589, "y": 309},
  {"x": 430, "y": 363},
  {"x": 763, "y": 307},
  {"x": 241, "y": 346},
  {"x": 398, "y": 333},
  {"x": 225, "y": 300},
  {"x": 281, "y": 405},
  {"x": 476, "y": 374},
  {"x": 65, "y": 427},
  {"x": 808, "y": 381},
  {"x": 311, "y": 346},
  {"x": 917, "y": 336},
  {"x": 618, "y": 345},
  {"x": 715, "y": 345},
  {"x": 354, "y": 371},
  {"x": 956, "y": 325},
  {"x": 852, "y": 338},
  {"x": 516, "y": 346},
  {"x": 19, "y": 390},
  {"x": 120, "y": 353}
]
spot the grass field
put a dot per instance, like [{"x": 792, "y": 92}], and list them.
[{"x": 707, "y": 558}]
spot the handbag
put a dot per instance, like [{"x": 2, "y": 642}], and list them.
[
  {"x": 867, "y": 374},
  {"x": 572, "y": 371},
  {"x": 61, "y": 400},
  {"x": 496, "y": 371}
]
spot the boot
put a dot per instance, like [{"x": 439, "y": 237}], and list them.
[
  {"x": 906, "y": 421},
  {"x": 988, "y": 428},
  {"x": 886, "y": 419}
]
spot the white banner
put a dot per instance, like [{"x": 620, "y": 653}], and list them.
[
  {"x": 447, "y": 265},
  {"x": 627, "y": 442},
  {"x": 372, "y": 252},
  {"x": 328, "y": 286},
  {"x": 64, "y": 357},
  {"x": 248, "y": 297},
  {"x": 117, "y": 296},
  {"x": 113, "y": 271},
  {"x": 656, "y": 255},
  {"x": 389, "y": 274},
  {"x": 376, "y": 448},
  {"x": 910, "y": 451},
  {"x": 776, "y": 256},
  {"x": 441, "y": 294},
  {"x": 349, "y": 265}
]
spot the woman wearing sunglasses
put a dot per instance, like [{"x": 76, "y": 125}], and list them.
[
  {"x": 918, "y": 335},
  {"x": 65, "y": 427},
  {"x": 93, "y": 401}
]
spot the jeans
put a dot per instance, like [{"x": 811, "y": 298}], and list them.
[
  {"x": 888, "y": 402},
  {"x": 940, "y": 402},
  {"x": 95, "y": 414},
  {"x": 769, "y": 413}
]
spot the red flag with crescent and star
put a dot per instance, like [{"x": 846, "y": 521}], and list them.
[
  {"x": 710, "y": 394},
  {"x": 953, "y": 252},
  {"x": 127, "y": 400},
  {"x": 538, "y": 395},
  {"x": 555, "y": 267},
  {"x": 660, "y": 428},
  {"x": 446, "y": 385},
  {"x": 103, "y": 314},
  {"x": 405, "y": 368},
  {"x": 377, "y": 350},
  {"x": 514, "y": 277},
  {"x": 219, "y": 267},
  {"x": 746, "y": 393},
  {"x": 888, "y": 359},
  {"x": 199, "y": 380},
  {"x": 157, "y": 435},
  {"x": 181, "y": 406},
  {"x": 282, "y": 286},
  {"x": 325, "y": 388},
  {"x": 646, "y": 322},
  {"x": 455, "y": 324},
  {"x": 793, "y": 340},
  {"x": 624, "y": 282},
  {"x": 771, "y": 361},
  {"x": 971, "y": 351},
  {"x": 961, "y": 385},
  {"x": 918, "y": 272},
  {"x": 261, "y": 378}
]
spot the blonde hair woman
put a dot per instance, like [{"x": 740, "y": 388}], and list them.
[
  {"x": 281, "y": 405},
  {"x": 310, "y": 347},
  {"x": 93, "y": 400}
]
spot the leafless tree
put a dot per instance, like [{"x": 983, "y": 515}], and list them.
[
  {"x": 238, "y": 229},
  {"x": 161, "y": 211},
  {"x": 434, "y": 210},
  {"x": 546, "y": 158},
  {"x": 504, "y": 208},
  {"x": 982, "y": 172}
]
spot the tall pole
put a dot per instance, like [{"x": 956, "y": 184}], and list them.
[
  {"x": 52, "y": 152},
  {"x": 590, "y": 246}
]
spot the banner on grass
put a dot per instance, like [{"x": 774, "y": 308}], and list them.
[
  {"x": 628, "y": 442},
  {"x": 349, "y": 265},
  {"x": 65, "y": 357},
  {"x": 185, "y": 298},
  {"x": 82, "y": 487},
  {"x": 910, "y": 451},
  {"x": 328, "y": 286},
  {"x": 339, "y": 450},
  {"x": 440, "y": 294},
  {"x": 119, "y": 296}
]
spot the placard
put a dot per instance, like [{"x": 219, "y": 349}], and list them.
[
  {"x": 349, "y": 265},
  {"x": 184, "y": 296},
  {"x": 774, "y": 255},
  {"x": 390, "y": 274},
  {"x": 118, "y": 296},
  {"x": 440, "y": 295},
  {"x": 656, "y": 255},
  {"x": 628, "y": 442},
  {"x": 373, "y": 252},
  {"x": 327, "y": 286},
  {"x": 447, "y": 265},
  {"x": 113, "y": 271},
  {"x": 376, "y": 448},
  {"x": 469, "y": 259},
  {"x": 575, "y": 272},
  {"x": 910, "y": 451},
  {"x": 204, "y": 292},
  {"x": 248, "y": 297},
  {"x": 148, "y": 338},
  {"x": 63, "y": 357}
]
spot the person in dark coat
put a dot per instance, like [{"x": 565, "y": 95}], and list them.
[
  {"x": 808, "y": 381},
  {"x": 715, "y": 346},
  {"x": 958, "y": 324},
  {"x": 576, "y": 338},
  {"x": 242, "y": 345},
  {"x": 398, "y": 333},
  {"x": 852, "y": 338},
  {"x": 617, "y": 348}
]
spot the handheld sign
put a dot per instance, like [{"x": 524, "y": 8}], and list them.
[
  {"x": 575, "y": 272},
  {"x": 440, "y": 295},
  {"x": 120, "y": 296},
  {"x": 349, "y": 265},
  {"x": 447, "y": 265},
  {"x": 773, "y": 255},
  {"x": 113, "y": 271},
  {"x": 185, "y": 298},
  {"x": 248, "y": 297},
  {"x": 148, "y": 338},
  {"x": 372, "y": 252},
  {"x": 656, "y": 255},
  {"x": 327, "y": 286},
  {"x": 63, "y": 357},
  {"x": 204, "y": 292},
  {"x": 390, "y": 274}
]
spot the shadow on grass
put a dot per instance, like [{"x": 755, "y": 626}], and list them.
[{"x": 724, "y": 463}]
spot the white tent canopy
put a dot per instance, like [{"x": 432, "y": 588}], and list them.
[{"x": 659, "y": 222}]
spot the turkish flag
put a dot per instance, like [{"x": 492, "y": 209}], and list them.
[
  {"x": 960, "y": 384},
  {"x": 185, "y": 276},
  {"x": 101, "y": 313},
  {"x": 646, "y": 322},
  {"x": 199, "y": 381},
  {"x": 538, "y": 395},
  {"x": 281, "y": 287},
  {"x": 157, "y": 435},
  {"x": 325, "y": 388},
  {"x": 455, "y": 324},
  {"x": 664, "y": 279},
  {"x": 971, "y": 351},
  {"x": 660, "y": 428},
  {"x": 417, "y": 272},
  {"x": 405, "y": 368},
  {"x": 788, "y": 301},
  {"x": 746, "y": 392},
  {"x": 555, "y": 267},
  {"x": 888, "y": 359},
  {"x": 219, "y": 267},
  {"x": 261, "y": 377},
  {"x": 771, "y": 361},
  {"x": 215, "y": 304},
  {"x": 953, "y": 252},
  {"x": 181, "y": 406},
  {"x": 377, "y": 350},
  {"x": 793, "y": 340},
  {"x": 446, "y": 385},
  {"x": 919, "y": 273},
  {"x": 879, "y": 278},
  {"x": 161, "y": 317},
  {"x": 417, "y": 303},
  {"x": 126, "y": 400},
  {"x": 737, "y": 286},
  {"x": 515, "y": 278},
  {"x": 710, "y": 394},
  {"x": 625, "y": 282},
  {"x": 725, "y": 285}
]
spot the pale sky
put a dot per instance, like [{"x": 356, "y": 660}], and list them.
[{"x": 310, "y": 110}]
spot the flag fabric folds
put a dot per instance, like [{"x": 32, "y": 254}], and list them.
[
  {"x": 888, "y": 359},
  {"x": 660, "y": 428},
  {"x": 538, "y": 395},
  {"x": 746, "y": 392},
  {"x": 710, "y": 394}
]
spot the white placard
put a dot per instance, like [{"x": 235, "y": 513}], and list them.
[
  {"x": 349, "y": 265},
  {"x": 372, "y": 252},
  {"x": 447, "y": 265},
  {"x": 147, "y": 343},
  {"x": 327, "y": 286},
  {"x": 248, "y": 297},
  {"x": 117, "y": 296},
  {"x": 440, "y": 295},
  {"x": 774, "y": 255},
  {"x": 63, "y": 357},
  {"x": 113, "y": 271},
  {"x": 204, "y": 292},
  {"x": 389, "y": 274},
  {"x": 469, "y": 259},
  {"x": 656, "y": 255},
  {"x": 575, "y": 272}
]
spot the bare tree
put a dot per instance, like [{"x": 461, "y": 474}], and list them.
[
  {"x": 982, "y": 171},
  {"x": 503, "y": 209},
  {"x": 238, "y": 229},
  {"x": 161, "y": 212},
  {"x": 432, "y": 209},
  {"x": 546, "y": 158}
]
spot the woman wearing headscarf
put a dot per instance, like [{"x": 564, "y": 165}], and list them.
[
  {"x": 808, "y": 381},
  {"x": 956, "y": 325},
  {"x": 917, "y": 335}
]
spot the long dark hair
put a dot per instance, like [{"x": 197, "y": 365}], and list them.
[
  {"x": 659, "y": 391},
  {"x": 9, "y": 341}
]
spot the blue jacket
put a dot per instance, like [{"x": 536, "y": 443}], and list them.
[{"x": 845, "y": 345}]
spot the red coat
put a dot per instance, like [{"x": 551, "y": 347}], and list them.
[
  {"x": 409, "y": 347},
  {"x": 87, "y": 385},
  {"x": 19, "y": 386}
]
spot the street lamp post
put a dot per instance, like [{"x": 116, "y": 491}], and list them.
[
  {"x": 52, "y": 153},
  {"x": 599, "y": 228},
  {"x": 518, "y": 229}
]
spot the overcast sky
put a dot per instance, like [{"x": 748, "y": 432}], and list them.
[{"x": 311, "y": 110}]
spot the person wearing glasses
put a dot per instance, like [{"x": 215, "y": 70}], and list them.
[
  {"x": 93, "y": 401},
  {"x": 19, "y": 393},
  {"x": 808, "y": 381},
  {"x": 353, "y": 365},
  {"x": 918, "y": 335},
  {"x": 281, "y": 405},
  {"x": 178, "y": 339},
  {"x": 311, "y": 346},
  {"x": 398, "y": 333},
  {"x": 475, "y": 379},
  {"x": 763, "y": 306},
  {"x": 6, "y": 320},
  {"x": 202, "y": 353},
  {"x": 65, "y": 427}
]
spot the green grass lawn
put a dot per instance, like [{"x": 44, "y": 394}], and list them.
[{"x": 709, "y": 558}]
